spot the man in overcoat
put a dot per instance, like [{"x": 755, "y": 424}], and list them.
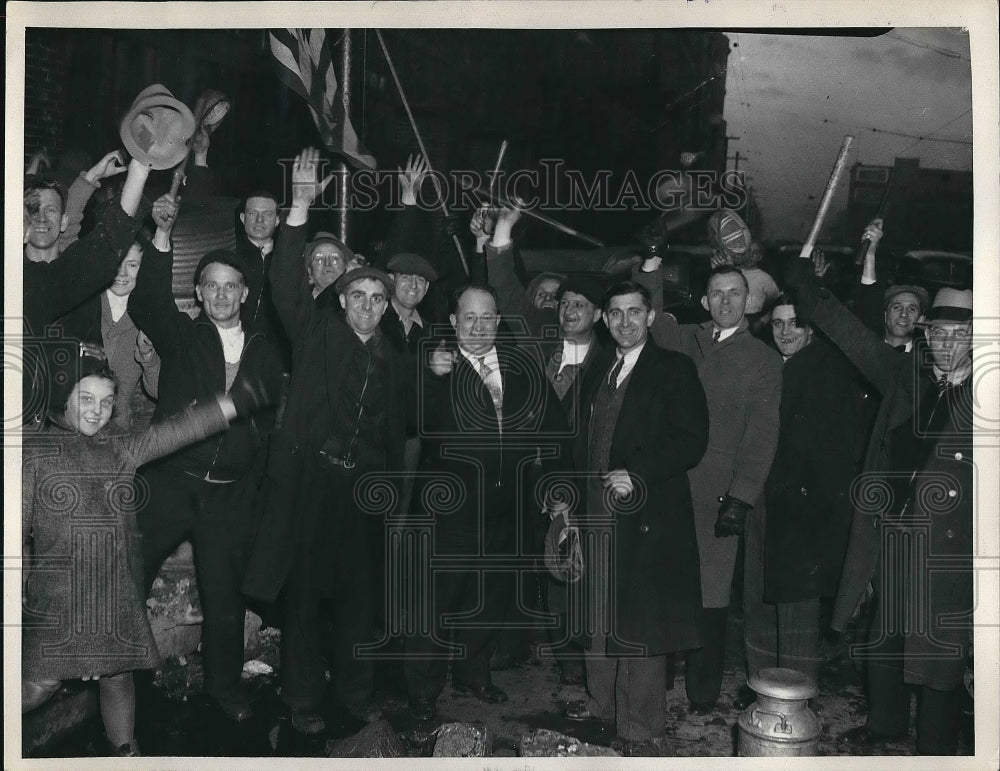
[
  {"x": 647, "y": 425},
  {"x": 742, "y": 381},
  {"x": 341, "y": 435},
  {"x": 799, "y": 553},
  {"x": 911, "y": 535}
]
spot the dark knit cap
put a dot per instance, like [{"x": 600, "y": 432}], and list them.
[
  {"x": 223, "y": 257},
  {"x": 586, "y": 286}
]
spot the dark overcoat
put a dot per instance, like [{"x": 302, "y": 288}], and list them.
[
  {"x": 824, "y": 417},
  {"x": 291, "y": 513},
  {"x": 936, "y": 541},
  {"x": 661, "y": 433}
]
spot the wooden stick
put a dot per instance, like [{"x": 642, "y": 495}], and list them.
[
  {"x": 420, "y": 142},
  {"x": 502, "y": 201},
  {"x": 824, "y": 205},
  {"x": 496, "y": 171}
]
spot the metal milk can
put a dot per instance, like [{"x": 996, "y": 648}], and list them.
[{"x": 779, "y": 723}]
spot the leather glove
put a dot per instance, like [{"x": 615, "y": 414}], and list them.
[
  {"x": 732, "y": 516},
  {"x": 251, "y": 394}
]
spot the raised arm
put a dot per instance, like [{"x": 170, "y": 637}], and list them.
[
  {"x": 52, "y": 289},
  {"x": 151, "y": 304},
  {"x": 512, "y": 301},
  {"x": 665, "y": 331},
  {"x": 289, "y": 283},
  {"x": 869, "y": 291},
  {"x": 81, "y": 191}
]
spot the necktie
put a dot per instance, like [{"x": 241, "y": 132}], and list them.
[
  {"x": 716, "y": 335},
  {"x": 900, "y": 348},
  {"x": 492, "y": 380},
  {"x": 613, "y": 379}
]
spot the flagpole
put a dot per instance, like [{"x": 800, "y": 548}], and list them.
[
  {"x": 420, "y": 143},
  {"x": 342, "y": 170}
]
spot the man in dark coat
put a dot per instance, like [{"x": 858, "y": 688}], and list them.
[
  {"x": 486, "y": 415},
  {"x": 800, "y": 549},
  {"x": 646, "y": 426},
  {"x": 54, "y": 284},
  {"x": 568, "y": 341},
  {"x": 912, "y": 532},
  {"x": 254, "y": 246},
  {"x": 742, "y": 381},
  {"x": 341, "y": 437},
  {"x": 207, "y": 492}
]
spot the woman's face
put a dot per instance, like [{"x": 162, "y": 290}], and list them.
[{"x": 90, "y": 404}]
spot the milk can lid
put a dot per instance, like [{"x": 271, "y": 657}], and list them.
[{"x": 780, "y": 683}]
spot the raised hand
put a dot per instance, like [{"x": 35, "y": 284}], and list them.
[
  {"x": 110, "y": 165},
  {"x": 873, "y": 233},
  {"x": 820, "y": 265},
  {"x": 506, "y": 219},
  {"x": 410, "y": 179},
  {"x": 619, "y": 482},
  {"x": 306, "y": 184},
  {"x": 165, "y": 211}
]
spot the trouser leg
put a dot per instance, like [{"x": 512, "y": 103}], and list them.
[
  {"x": 221, "y": 536},
  {"x": 888, "y": 695},
  {"x": 641, "y": 697},
  {"x": 303, "y": 666},
  {"x": 602, "y": 673},
  {"x": 167, "y": 518},
  {"x": 704, "y": 666},
  {"x": 491, "y": 595},
  {"x": 938, "y": 718},
  {"x": 426, "y": 665},
  {"x": 798, "y": 637},
  {"x": 760, "y": 619},
  {"x": 118, "y": 708},
  {"x": 352, "y": 672}
]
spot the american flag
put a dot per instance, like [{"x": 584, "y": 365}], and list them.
[{"x": 303, "y": 63}]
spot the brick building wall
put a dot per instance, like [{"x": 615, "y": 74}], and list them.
[{"x": 44, "y": 91}]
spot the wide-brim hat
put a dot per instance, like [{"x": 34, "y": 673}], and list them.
[
  {"x": 157, "y": 127},
  {"x": 917, "y": 291},
  {"x": 409, "y": 264},
  {"x": 950, "y": 305},
  {"x": 366, "y": 271}
]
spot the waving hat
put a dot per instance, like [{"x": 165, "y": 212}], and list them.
[{"x": 157, "y": 127}]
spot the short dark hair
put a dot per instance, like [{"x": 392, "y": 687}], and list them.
[
  {"x": 35, "y": 183},
  {"x": 722, "y": 270},
  {"x": 786, "y": 299},
  {"x": 258, "y": 194},
  {"x": 477, "y": 286},
  {"x": 627, "y": 287}
]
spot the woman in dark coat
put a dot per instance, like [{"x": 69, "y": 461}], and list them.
[{"x": 78, "y": 515}]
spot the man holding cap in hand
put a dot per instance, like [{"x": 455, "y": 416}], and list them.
[{"x": 343, "y": 423}]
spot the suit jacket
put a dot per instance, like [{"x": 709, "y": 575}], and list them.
[
  {"x": 293, "y": 486},
  {"x": 485, "y": 461},
  {"x": 942, "y": 511},
  {"x": 661, "y": 433}
]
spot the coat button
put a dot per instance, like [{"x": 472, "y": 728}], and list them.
[
  {"x": 643, "y": 528},
  {"x": 952, "y": 493},
  {"x": 949, "y": 534},
  {"x": 803, "y": 491},
  {"x": 959, "y": 456}
]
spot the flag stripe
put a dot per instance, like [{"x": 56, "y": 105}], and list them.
[{"x": 304, "y": 64}]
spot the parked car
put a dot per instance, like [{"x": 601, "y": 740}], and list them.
[{"x": 933, "y": 270}]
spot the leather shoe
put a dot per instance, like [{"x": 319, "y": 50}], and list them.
[
  {"x": 745, "y": 696},
  {"x": 701, "y": 708},
  {"x": 488, "y": 693},
  {"x": 863, "y": 739},
  {"x": 423, "y": 709},
  {"x": 577, "y": 710}
]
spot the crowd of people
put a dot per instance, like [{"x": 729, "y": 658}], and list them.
[{"x": 319, "y": 403}]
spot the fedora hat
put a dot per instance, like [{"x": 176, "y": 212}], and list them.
[
  {"x": 950, "y": 305},
  {"x": 156, "y": 128}
]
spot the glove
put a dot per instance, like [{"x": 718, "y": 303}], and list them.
[
  {"x": 800, "y": 283},
  {"x": 251, "y": 394},
  {"x": 732, "y": 516}
]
